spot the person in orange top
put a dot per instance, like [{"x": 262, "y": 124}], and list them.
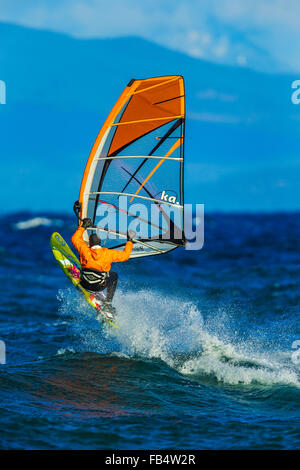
[{"x": 96, "y": 274}]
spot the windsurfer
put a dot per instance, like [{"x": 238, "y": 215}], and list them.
[{"x": 96, "y": 262}]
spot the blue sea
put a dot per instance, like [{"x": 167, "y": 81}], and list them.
[{"x": 206, "y": 356}]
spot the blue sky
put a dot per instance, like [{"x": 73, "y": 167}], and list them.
[
  {"x": 260, "y": 34},
  {"x": 239, "y": 60}
]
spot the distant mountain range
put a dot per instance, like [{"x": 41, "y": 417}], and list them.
[{"x": 242, "y": 133}]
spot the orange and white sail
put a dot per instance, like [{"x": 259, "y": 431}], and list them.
[{"x": 139, "y": 155}]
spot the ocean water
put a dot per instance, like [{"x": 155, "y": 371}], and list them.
[{"x": 205, "y": 358}]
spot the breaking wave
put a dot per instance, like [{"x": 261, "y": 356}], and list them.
[
  {"x": 36, "y": 222},
  {"x": 161, "y": 327}
]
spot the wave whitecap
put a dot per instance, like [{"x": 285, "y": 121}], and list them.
[
  {"x": 156, "y": 326},
  {"x": 37, "y": 222}
]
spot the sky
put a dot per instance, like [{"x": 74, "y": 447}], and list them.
[
  {"x": 260, "y": 34},
  {"x": 248, "y": 126}
]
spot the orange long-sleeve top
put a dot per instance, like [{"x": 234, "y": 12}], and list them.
[{"x": 99, "y": 258}]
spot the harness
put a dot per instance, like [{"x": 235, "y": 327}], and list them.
[{"x": 92, "y": 279}]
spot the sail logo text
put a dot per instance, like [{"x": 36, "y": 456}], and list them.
[{"x": 167, "y": 198}]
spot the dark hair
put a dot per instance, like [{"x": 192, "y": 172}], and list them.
[{"x": 94, "y": 240}]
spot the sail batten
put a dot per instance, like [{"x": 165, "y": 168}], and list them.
[
  {"x": 159, "y": 201},
  {"x": 141, "y": 156},
  {"x": 166, "y": 118}
]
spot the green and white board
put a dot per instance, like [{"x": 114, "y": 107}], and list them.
[{"x": 72, "y": 269}]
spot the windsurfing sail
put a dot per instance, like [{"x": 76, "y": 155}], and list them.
[{"x": 134, "y": 174}]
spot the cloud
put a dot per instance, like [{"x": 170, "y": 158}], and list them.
[
  {"x": 214, "y": 117},
  {"x": 241, "y": 60},
  {"x": 211, "y": 94},
  {"x": 207, "y": 172},
  {"x": 262, "y": 34}
]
